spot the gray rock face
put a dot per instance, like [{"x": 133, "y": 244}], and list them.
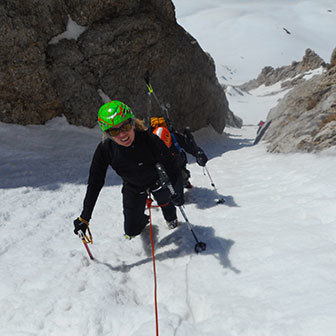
[
  {"x": 26, "y": 95},
  {"x": 333, "y": 58},
  {"x": 233, "y": 120},
  {"x": 123, "y": 39},
  {"x": 305, "y": 119}
]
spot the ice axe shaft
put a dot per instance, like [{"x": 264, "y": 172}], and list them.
[{"x": 83, "y": 238}]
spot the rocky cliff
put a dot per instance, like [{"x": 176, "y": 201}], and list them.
[
  {"x": 43, "y": 75},
  {"x": 305, "y": 118}
]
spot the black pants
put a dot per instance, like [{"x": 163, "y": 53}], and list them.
[{"x": 134, "y": 203}]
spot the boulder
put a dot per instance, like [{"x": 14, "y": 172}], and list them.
[
  {"x": 41, "y": 78},
  {"x": 26, "y": 93}
]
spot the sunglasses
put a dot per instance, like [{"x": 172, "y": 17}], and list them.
[{"x": 123, "y": 128}]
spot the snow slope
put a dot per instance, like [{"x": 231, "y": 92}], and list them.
[{"x": 268, "y": 268}]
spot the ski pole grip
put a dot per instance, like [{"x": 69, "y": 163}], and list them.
[
  {"x": 164, "y": 179},
  {"x": 188, "y": 132}
]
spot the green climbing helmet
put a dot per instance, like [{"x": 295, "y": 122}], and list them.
[{"x": 113, "y": 113}]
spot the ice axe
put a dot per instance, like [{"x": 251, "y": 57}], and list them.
[{"x": 85, "y": 239}]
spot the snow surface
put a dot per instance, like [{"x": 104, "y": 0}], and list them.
[
  {"x": 243, "y": 36},
  {"x": 269, "y": 267}
]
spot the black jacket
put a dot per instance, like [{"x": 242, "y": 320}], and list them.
[
  {"x": 186, "y": 145},
  {"x": 135, "y": 165}
]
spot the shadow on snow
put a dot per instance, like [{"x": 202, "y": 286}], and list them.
[
  {"x": 184, "y": 243},
  {"x": 217, "y": 144},
  {"x": 206, "y": 198},
  {"x": 47, "y": 158}
]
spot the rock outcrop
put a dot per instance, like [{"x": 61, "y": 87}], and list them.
[
  {"x": 333, "y": 58},
  {"x": 305, "y": 118},
  {"x": 121, "y": 40}
]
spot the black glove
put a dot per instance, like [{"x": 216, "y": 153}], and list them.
[
  {"x": 80, "y": 225},
  {"x": 177, "y": 199},
  {"x": 201, "y": 158}
]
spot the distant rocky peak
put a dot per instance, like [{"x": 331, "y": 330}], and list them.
[{"x": 270, "y": 76}]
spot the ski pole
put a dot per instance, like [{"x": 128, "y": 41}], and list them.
[
  {"x": 85, "y": 241},
  {"x": 220, "y": 200},
  {"x": 199, "y": 246},
  {"x": 187, "y": 132}
]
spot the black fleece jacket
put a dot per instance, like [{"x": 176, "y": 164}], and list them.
[{"x": 135, "y": 165}]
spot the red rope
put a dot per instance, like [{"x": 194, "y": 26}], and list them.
[{"x": 149, "y": 205}]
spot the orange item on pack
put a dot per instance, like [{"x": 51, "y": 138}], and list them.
[
  {"x": 164, "y": 135},
  {"x": 157, "y": 122}
]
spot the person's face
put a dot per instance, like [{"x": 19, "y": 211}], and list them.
[{"x": 125, "y": 133}]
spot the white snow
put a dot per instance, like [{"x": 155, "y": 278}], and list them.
[
  {"x": 269, "y": 267},
  {"x": 72, "y": 32},
  {"x": 243, "y": 36}
]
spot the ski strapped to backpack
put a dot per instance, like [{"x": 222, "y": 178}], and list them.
[
  {"x": 164, "y": 180},
  {"x": 165, "y": 113},
  {"x": 187, "y": 132}
]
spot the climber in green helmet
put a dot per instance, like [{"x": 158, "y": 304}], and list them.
[
  {"x": 133, "y": 152},
  {"x": 113, "y": 113}
]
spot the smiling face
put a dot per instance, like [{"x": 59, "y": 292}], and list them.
[{"x": 124, "y": 138}]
